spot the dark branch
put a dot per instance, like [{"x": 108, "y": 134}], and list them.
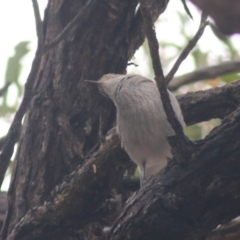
[
  {"x": 5, "y": 88},
  {"x": 186, "y": 8},
  {"x": 180, "y": 143},
  {"x": 205, "y": 73},
  {"x": 188, "y": 48},
  {"x": 214, "y": 103},
  {"x": 38, "y": 22},
  {"x": 84, "y": 184}
]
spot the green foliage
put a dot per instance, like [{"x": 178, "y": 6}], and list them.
[
  {"x": 194, "y": 132},
  {"x": 231, "y": 77}
]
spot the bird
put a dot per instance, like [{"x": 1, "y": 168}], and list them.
[{"x": 141, "y": 120}]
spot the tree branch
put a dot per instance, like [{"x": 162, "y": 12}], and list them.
[
  {"x": 188, "y": 48},
  {"x": 4, "y": 88},
  {"x": 186, "y": 9},
  {"x": 180, "y": 140},
  {"x": 205, "y": 73},
  {"x": 80, "y": 198},
  {"x": 214, "y": 103},
  {"x": 38, "y": 21}
]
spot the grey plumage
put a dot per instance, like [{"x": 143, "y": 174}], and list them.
[{"x": 141, "y": 120}]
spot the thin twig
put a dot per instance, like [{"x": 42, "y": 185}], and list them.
[
  {"x": 186, "y": 9},
  {"x": 15, "y": 128},
  {"x": 159, "y": 76},
  {"x": 205, "y": 73},
  {"x": 188, "y": 48},
  {"x": 5, "y": 88},
  {"x": 70, "y": 26},
  {"x": 38, "y": 21}
]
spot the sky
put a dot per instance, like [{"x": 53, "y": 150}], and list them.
[{"x": 17, "y": 24}]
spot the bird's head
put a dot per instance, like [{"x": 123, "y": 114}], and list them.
[{"x": 108, "y": 84}]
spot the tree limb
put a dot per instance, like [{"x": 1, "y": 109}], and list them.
[
  {"x": 192, "y": 43},
  {"x": 214, "y": 103},
  {"x": 38, "y": 21},
  {"x": 4, "y": 88},
  {"x": 180, "y": 144},
  {"x": 79, "y": 198},
  {"x": 205, "y": 73}
]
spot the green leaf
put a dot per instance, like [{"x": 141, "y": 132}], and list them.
[{"x": 231, "y": 77}]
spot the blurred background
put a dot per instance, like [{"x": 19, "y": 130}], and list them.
[{"x": 174, "y": 29}]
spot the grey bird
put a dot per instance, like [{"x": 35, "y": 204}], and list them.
[{"x": 141, "y": 120}]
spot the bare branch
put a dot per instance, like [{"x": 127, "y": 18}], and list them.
[
  {"x": 5, "y": 88},
  {"x": 214, "y": 103},
  {"x": 205, "y": 73},
  {"x": 38, "y": 22},
  {"x": 186, "y": 9},
  {"x": 181, "y": 140},
  {"x": 188, "y": 48},
  {"x": 84, "y": 184}
]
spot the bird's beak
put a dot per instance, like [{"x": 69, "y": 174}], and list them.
[{"x": 91, "y": 81}]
